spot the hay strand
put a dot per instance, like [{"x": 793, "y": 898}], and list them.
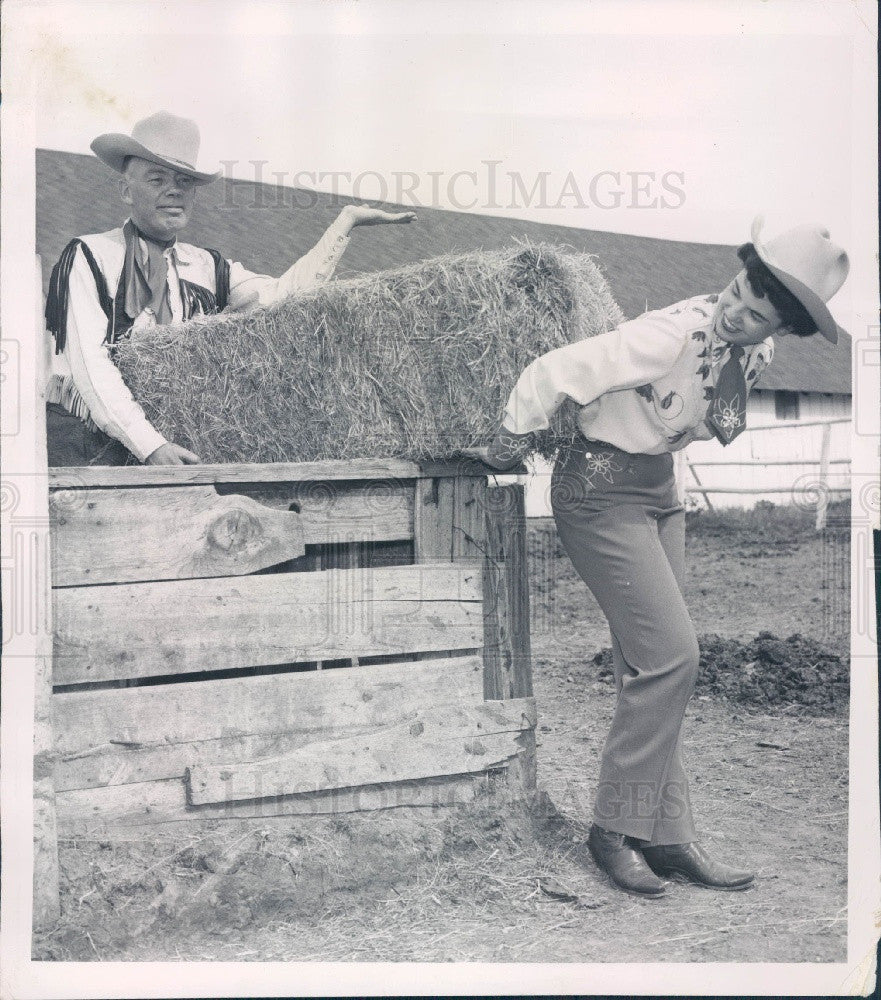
[{"x": 413, "y": 363}]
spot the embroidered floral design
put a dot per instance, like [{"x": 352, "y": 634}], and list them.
[
  {"x": 727, "y": 414},
  {"x": 648, "y": 393},
  {"x": 511, "y": 446},
  {"x": 599, "y": 463}
]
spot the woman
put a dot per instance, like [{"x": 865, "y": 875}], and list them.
[{"x": 646, "y": 389}]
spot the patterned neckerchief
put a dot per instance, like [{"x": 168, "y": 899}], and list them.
[{"x": 680, "y": 399}]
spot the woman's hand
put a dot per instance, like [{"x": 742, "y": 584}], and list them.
[
  {"x": 480, "y": 454},
  {"x": 504, "y": 452},
  {"x": 483, "y": 455},
  {"x": 364, "y": 215}
]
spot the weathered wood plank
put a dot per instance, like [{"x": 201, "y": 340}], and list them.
[
  {"x": 339, "y": 555},
  {"x": 338, "y": 511},
  {"x": 117, "y": 536},
  {"x": 124, "y": 735},
  {"x": 507, "y": 653},
  {"x": 182, "y": 626},
  {"x": 266, "y": 472},
  {"x": 148, "y": 807},
  {"x": 433, "y": 520},
  {"x": 469, "y": 517},
  {"x": 161, "y": 533},
  {"x": 434, "y": 741}
]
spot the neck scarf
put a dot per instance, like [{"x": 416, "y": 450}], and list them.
[
  {"x": 145, "y": 286},
  {"x": 133, "y": 291},
  {"x": 726, "y": 414}
]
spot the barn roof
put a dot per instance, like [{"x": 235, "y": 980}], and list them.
[{"x": 267, "y": 227}]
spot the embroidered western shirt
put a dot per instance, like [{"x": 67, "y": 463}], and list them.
[
  {"x": 643, "y": 387},
  {"x": 85, "y": 379}
]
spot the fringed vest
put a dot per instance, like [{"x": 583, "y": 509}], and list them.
[{"x": 195, "y": 299}]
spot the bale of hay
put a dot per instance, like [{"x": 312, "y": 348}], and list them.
[{"x": 412, "y": 363}]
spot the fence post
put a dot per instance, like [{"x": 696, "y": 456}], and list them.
[
  {"x": 706, "y": 495},
  {"x": 823, "y": 497},
  {"x": 507, "y": 655}
]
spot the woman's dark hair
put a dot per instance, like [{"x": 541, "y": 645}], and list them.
[{"x": 763, "y": 282}]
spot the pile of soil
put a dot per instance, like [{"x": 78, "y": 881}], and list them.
[{"x": 766, "y": 672}]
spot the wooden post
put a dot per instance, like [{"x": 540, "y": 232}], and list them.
[
  {"x": 703, "y": 492},
  {"x": 339, "y": 555},
  {"x": 507, "y": 652},
  {"x": 433, "y": 520},
  {"x": 507, "y": 655},
  {"x": 823, "y": 497},
  {"x": 45, "y": 878}
]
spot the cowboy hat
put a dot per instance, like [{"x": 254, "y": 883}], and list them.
[
  {"x": 810, "y": 265},
  {"x": 162, "y": 138}
]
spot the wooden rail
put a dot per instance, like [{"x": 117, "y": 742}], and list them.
[
  {"x": 268, "y": 472},
  {"x": 800, "y": 423},
  {"x": 824, "y": 462},
  {"x": 785, "y": 461}
]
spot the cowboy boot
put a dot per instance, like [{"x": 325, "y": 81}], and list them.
[
  {"x": 691, "y": 863},
  {"x": 623, "y": 863}
]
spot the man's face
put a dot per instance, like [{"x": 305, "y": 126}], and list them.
[
  {"x": 741, "y": 317},
  {"x": 161, "y": 199}
]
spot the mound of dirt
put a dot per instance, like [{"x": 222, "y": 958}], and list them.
[{"x": 766, "y": 672}]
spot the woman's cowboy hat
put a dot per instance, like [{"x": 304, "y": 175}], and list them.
[
  {"x": 810, "y": 265},
  {"x": 162, "y": 138}
]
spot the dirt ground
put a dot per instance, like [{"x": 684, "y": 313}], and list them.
[{"x": 768, "y": 768}]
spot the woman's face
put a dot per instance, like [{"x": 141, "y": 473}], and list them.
[{"x": 741, "y": 317}]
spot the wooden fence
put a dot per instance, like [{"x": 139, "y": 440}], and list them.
[
  {"x": 249, "y": 641},
  {"x": 815, "y": 492}
]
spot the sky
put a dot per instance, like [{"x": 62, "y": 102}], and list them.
[{"x": 679, "y": 119}]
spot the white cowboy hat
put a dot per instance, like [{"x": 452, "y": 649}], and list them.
[
  {"x": 810, "y": 265},
  {"x": 162, "y": 138}
]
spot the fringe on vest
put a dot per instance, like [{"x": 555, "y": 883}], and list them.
[
  {"x": 60, "y": 389},
  {"x": 195, "y": 299},
  {"x": 58, "y": 296}
]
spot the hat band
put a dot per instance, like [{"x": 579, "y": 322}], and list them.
[{"x": 175, "y": 160}]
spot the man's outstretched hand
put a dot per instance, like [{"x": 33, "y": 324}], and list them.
[
  {"x": 364, "y": 215},
  {"x": 171, "y": 454}
]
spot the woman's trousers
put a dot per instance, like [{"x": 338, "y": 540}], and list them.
[{"x": 620, "y": 521}]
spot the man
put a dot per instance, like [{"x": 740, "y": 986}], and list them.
[
  {"x": 644, "y": 390},
  {"x": 140, "y": 275}
]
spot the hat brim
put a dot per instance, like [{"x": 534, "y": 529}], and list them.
[
  {"x": 816, "y": 307},
  {"x": 114, "y": 148}
]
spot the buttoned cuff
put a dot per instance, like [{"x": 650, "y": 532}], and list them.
[
  {"x": 143, "y": 440},
  {"x": 339, "y": 238}
]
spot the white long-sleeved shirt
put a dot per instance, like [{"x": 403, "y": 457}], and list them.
[
  {"x": 83, "y": 376},
  {"x": 644, "y": 386}
]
